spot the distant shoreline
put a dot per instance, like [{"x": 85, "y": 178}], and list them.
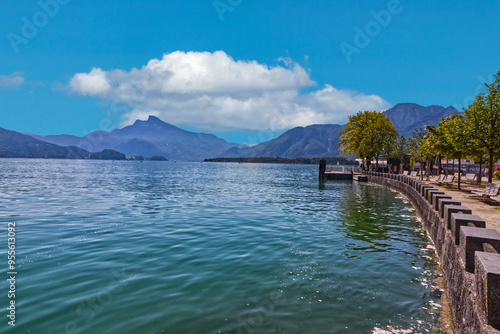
[
  {"x": 128, "y": 158},
  {"x": 296, "y": 161}
]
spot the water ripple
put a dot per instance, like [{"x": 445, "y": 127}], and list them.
[{"x": 127, "y": 247}]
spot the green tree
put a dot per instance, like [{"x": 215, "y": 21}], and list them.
[
  {"x": 396, "y": 149},
  {"x": 476, "y": 151},
  {"x": 420, "y": 149},
  {"x": 438, "y": 141},
  {"x": 457, "y": 132},
  {"x": 483, "y": 118},
  {"x": 401, "y": 151},
  {"x": 366, "y": 135}
]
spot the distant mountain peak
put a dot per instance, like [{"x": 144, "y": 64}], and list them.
[
  {"x": 152, "y": 118},
  {"x": 414, "y": 106},
  {"x": 149, "y": 138},
  {"x": 406, "y": 104},
  {"x": 408, "y": 117}
]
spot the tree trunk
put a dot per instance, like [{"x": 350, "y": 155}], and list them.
[
  {"x": 440, "y": 165},
  {"x": 429, "y": 168},
  {"x": 480, "y": 174},
  {"x": 490, "y": 169},
  {"x": 459, "y": 171},
  {"x": 376, "y": 163}
]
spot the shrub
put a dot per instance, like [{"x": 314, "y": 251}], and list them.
[{"x": 497, "y": 173}]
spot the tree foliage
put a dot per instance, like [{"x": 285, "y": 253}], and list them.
[
  {"x": 396, "y": 149},
  {"x": 419, "y": 148},
  {"x": 367, "y": 135},
  {"x": 483, "y": 119},
  {"x": 438, "y": 140},
  {"x": 457, "y": 133}
]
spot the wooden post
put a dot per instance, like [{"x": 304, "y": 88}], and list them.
[{"x": 322, "y": 169}]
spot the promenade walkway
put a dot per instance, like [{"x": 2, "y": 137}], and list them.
[{"x": 490, "y": 212}]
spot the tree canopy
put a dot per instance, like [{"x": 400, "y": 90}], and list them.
[
  {"x": 473, "y": 134},
  {"x": 483, "y": 121},
  {"x": 419, "y": 148},
  {"x": 457, "y": 133},
  {"x": 367, "y": 134}
]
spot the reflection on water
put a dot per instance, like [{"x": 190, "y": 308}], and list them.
[
  {"x": 369, "y": 215},
  {"x": 153, "y": 247}
]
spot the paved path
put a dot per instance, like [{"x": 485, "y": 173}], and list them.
[{"x": 489, "y": 212}]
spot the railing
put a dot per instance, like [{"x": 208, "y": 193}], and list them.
[{"x": 343, "y": 169}]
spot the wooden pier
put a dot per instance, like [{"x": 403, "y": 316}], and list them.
[{"x": 340, "y": 172}]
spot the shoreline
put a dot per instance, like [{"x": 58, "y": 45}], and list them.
[{"x": 463, "y": 289}]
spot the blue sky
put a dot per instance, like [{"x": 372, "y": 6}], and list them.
[{"x": 244, "y": 70}]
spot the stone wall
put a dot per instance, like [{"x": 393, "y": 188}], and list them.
[{"x": 460, "y": 238}]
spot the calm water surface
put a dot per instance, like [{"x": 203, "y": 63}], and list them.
[{"x": 163, "y": 247}]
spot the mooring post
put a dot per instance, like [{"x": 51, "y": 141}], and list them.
[{"x": 322, "y": 169}]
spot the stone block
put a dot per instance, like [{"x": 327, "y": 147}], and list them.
[
  {"x": 445, "y": 201},
  {"x": 460, "y": 219},
  {"x": 487, "y": 275},
  {"x": 432, "y": 192},
  {"x": 471, "y": 241},
  {"x": 423, "y": 188},
  {"x": 435, "y": 200},
  {"x": 428, "y": 192},
  {"x": 360, "y": 178},
  {"x": 416, "y": 185},
  {"x": 449, "y": 209}
]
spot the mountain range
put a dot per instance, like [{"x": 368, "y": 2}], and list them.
[
  {"x": 154, "y": 137},
  {"x": 408, "y": 117},
  {"x": 148, "y": 138},
  {"x": 17, "y": 145},
  {"x": 313, "y": 141},
  {"x": 316, "y": 141}
]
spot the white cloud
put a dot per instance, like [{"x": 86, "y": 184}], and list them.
[
  {"x": 15, "y": 79},
  {"x": 214, "y": 92},
  {"x": 93, "y": 83}
]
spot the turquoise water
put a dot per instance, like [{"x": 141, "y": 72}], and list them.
[{"x": 163, "y": 247}]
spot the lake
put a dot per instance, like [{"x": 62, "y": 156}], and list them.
[{"x": 164, "y": 247}]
